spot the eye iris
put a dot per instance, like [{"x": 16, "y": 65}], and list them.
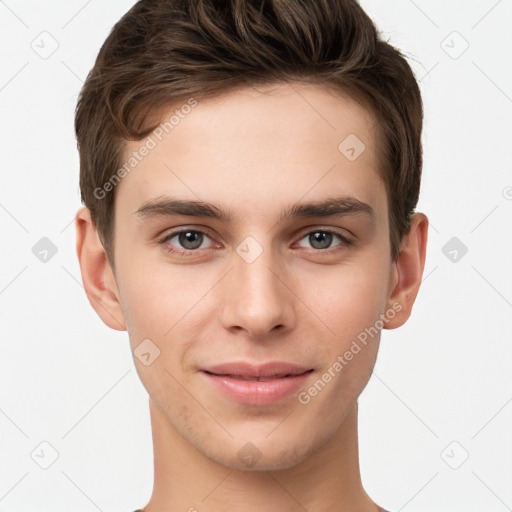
[
  {"x": 321, "y": 237},
  {"x": 190, "y": 237}
]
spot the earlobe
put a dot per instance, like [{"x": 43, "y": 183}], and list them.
[
  {"x": 408, "y": 272},
  {"x": 97, "y": 275}
]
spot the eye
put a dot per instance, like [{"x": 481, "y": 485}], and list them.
[
  {"x": 187, "y": 240},
  {"x": 322, "y": 239}
]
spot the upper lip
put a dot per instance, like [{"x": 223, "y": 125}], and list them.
[{"x": 244, "y": 369}]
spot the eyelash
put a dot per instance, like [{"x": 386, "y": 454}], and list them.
[{"x": 345, "y": 242}]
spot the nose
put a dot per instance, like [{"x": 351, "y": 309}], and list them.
[{"x": 257, "y": 298}]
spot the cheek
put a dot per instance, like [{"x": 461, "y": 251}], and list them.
[
  {"x": 347, "y": 300},
  {"x": 167, "y": 306},
  {"x": 155, "y": 297},
  {"x": 350, "y": 305}
]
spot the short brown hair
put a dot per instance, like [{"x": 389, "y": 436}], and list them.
[{"x": 165, "y": 51}]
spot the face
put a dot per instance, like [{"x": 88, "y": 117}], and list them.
[{"x": 285, "y": 275}]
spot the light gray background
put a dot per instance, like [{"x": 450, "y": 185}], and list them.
[{"x": 442, "y": 386}]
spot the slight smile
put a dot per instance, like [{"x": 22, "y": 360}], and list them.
[{"x": 257, "y": 385}]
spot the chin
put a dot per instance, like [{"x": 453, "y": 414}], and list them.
[{"x": 262, "y": 454}]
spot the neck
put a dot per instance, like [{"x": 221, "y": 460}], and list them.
[{"x": 187, "y": 480}]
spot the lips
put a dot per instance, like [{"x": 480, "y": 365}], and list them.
[
  {"x": 257, "y": 384},
  {"x": 259, "y": 379},
  {"x": 266, "y": 371}
]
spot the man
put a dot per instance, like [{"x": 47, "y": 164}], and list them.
[{"x": 249, "y": 171}]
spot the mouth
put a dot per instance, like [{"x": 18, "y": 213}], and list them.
[
  {"x": 259, "y": 379},
  {"x": 257, "y": 385}
]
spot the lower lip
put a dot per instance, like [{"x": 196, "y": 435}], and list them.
[{"x": 258, "y": 392}]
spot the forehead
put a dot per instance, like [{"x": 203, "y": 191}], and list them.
[{"x": 255, "y": 149}]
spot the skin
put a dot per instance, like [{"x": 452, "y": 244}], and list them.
[{"x": 253, "y": 152}]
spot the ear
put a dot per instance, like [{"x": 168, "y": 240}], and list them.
[
  {"x": 407, "y": 272},
  {"x": 97, "y": 275}
]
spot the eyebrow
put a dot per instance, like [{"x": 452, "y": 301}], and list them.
[{"x": 330, "y": 207}]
